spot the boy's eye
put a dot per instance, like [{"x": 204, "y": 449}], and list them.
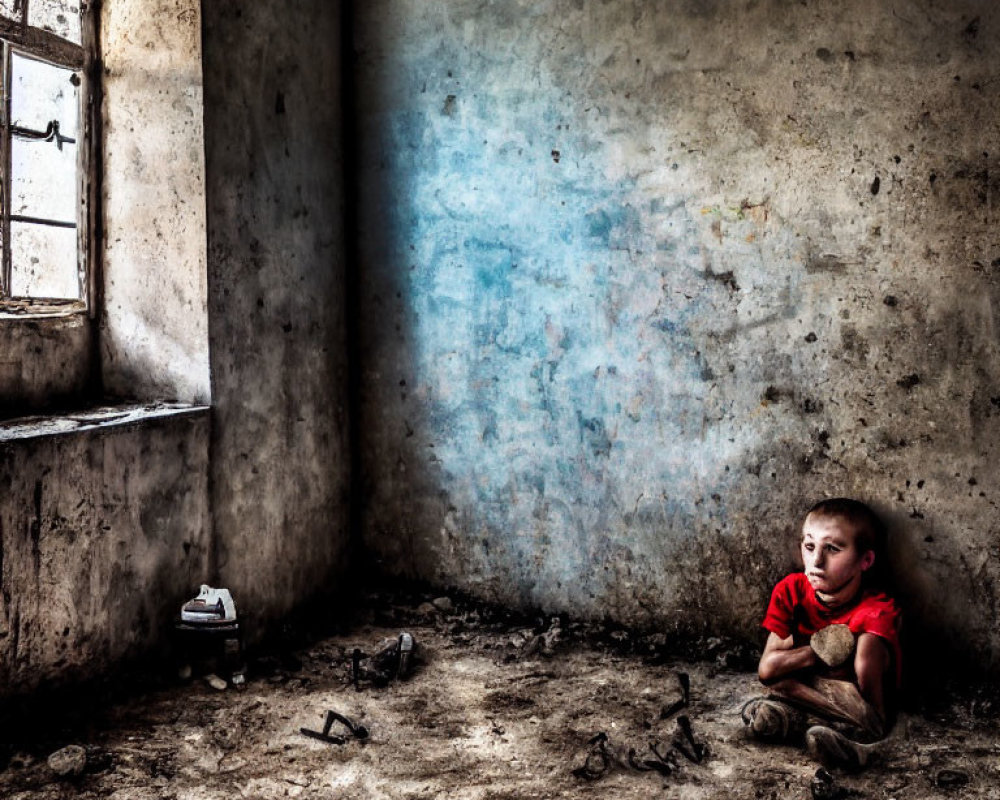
[{"x": 809, "y": 547}]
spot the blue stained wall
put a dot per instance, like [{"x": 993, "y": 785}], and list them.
[{"x": 641, "y": 281}]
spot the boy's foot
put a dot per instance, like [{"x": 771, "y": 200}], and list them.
[
  {"x": 771, "y": 720},
  {"x": 834, "y": 749}
]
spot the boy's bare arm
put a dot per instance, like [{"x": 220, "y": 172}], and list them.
[
  {"x": 781, "y": 658},
  {"x": 871, "y": 664}
]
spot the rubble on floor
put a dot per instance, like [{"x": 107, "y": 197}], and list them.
[{"x": 490, "y": 705}]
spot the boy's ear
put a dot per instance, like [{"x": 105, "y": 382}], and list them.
[{"x": 867, "y": 560}]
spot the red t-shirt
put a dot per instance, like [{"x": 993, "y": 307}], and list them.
[{"x": 795, "y": 611}]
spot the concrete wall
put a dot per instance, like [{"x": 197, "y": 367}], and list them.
[
  {"x": 104, "y": 516},
  {"x": 280, "y": 461},
  {"x": 249, "y": 291},
  {"x": 641, "y": 281},
  {"x": 103, "y": 534},
  {"x": 152, "y": 296},
  {"x": 107, "y": 525},
  {"x": 154, "y": 322},
  {"x": 44, "y": 361}
]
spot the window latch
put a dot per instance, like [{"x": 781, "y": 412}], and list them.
[{"x": 50, "y": 134}]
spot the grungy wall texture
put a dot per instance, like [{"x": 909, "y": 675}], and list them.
[
  {"x": 154, "y": 325},
  {"x": 45, "y": 361},
  {"x": 643, "y": 280},
  {"x": 103, "y": 534},
  {"x": 280, "y": 461}
]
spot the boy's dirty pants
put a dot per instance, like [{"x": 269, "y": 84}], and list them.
[{"x": 831, "y": 699}]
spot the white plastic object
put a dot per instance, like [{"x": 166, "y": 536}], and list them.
[{"x": 211, "y": 606}]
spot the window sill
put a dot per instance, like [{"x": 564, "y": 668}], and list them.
[
  {"x": 104, "y": 417},
  {"x": 27, "y": 308}
]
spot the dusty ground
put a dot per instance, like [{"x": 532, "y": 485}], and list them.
[{"x": 494, "y": 711}]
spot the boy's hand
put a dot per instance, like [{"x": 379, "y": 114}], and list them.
[
  {"x": 782, "y": 657},
  {"x": 833, "y": 644}
]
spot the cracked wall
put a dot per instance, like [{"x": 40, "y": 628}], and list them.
[{"x": 641, "y": 281}]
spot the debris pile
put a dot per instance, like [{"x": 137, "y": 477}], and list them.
[{"x": 661, "y": 757}]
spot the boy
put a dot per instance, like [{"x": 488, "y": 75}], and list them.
[{"x": 832, "y": 650}]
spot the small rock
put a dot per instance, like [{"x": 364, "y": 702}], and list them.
[
  {"x": 68, "y": 762},
  {"x": 834, "y": 644},
  {"x": 443, "y": 604},
  {"x": 216, "y": 682},
  {"x": 532, "y": 646},
  {"x": 184, "y": 672},
  {"x": 552, "y": 636},
  {"x": 950, "y": 778},
  {"x": 426, "y": 610}
]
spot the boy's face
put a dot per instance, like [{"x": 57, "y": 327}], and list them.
[{"x": 833, "y": 563}]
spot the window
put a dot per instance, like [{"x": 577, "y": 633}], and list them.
[{"x": 45, "y": 122}]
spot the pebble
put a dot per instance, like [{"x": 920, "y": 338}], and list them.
[
  {"x": 833, "y": 644},
  {"x": 68, "y": 762},
  {"x": 948, "y": 778},
  {"x": 443, "y": 604},
  {"x": 216, "y": 682}
]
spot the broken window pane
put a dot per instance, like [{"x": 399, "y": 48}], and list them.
[
  {"x": 62, "y": 17},
  {"x": 43, "y": 261}
]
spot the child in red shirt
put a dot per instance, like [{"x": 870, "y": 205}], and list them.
[{"x": 832, "y": 654}]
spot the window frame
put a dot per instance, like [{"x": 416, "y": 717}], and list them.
[{"x": 17, "y": 36}]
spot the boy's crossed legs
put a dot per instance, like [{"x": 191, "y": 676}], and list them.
[{"x": 843, "y": 724}]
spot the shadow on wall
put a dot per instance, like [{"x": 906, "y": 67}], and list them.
[
  {"x": 937, "y": 644},
  {"x": 641, "y": 282}
]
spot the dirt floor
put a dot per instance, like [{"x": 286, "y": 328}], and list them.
[{"x": 496, "y": 708}]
